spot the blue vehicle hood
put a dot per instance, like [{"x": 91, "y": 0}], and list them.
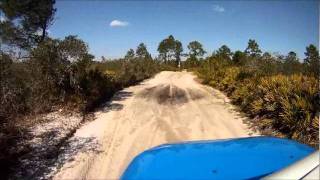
[{"x": 242, "y": 158}]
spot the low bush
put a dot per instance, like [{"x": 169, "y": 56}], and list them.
[
  {"x": 58, "y": 74},
  {"x": 95, "y": 88},
  {"x": 291, "y": 102},
  {"x": 286, "y": 101}
]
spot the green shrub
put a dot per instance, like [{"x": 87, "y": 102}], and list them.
[
  {"x": 14, "y": 88},
  {"x": 95, "y": 88},
  {"x": 229, "y": 80},
  {"x": 291, "y": 102},
  {"x": 287, "y": 103}
]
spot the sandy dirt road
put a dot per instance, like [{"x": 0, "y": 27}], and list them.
[{"x": 171, "y": 107}]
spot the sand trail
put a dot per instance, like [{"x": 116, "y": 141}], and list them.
[{"x": 171, "y": 107}]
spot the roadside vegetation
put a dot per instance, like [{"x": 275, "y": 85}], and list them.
[
  {"x": 40, "y": 74},
  {"x": 281, "y": 93}
]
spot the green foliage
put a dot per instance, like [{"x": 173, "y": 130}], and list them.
[
  {"x": 170, "y": 49},
  {"x": 13, "y": 90},
  {"x": 191, "y": 62},
  {"x": 239, "y": 58},
  {"x": 136, "y": 70},
  {"x": 291, "y": 64},
  {"x": 130, "y": 54},
  {"x": 57, "y": 69},
  {"x": 312, "y": 60},
  {"x": 253, "y": 49},
  {"x": 123, "y": 72},
  {"x": 267, "y": 64},
  {"x": 177, "y": 52},
  {"x": 289, "y": 101},
  {"x": 55, "y": 73},
  {"x": 278, "y": 90},
  {"x": 24, "y": 27},
  {"x": 224, "y": 52},
  {"x": 142, "y": 51},
  {"x": 96, "y": 88},
  {"x": 26, "y": 21},
  {"x": 196, "y": 50}
]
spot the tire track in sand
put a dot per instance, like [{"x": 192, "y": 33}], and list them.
[{"x": 170, "y": 107}]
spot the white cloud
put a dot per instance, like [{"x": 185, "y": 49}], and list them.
[
  {"x": 118, "y": 23},
  {"x": 218, "y": 8}
]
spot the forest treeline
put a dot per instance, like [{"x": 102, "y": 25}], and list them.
[{"x": 39, "y": 74}]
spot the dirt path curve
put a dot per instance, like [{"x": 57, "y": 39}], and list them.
[{"x": 170, "y": 107}]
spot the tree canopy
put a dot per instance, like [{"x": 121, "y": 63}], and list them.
[
  {"x": 239, "y": 57},
  {"x": 312, "y": 59},
  {"x": 292, "y": 57},
  {"x": 224, "y": 52},
  {"x": 195, "y": 49},
  {"x": 26, "y": 22},
  {"x": 142, "y": 51},
  {"x": 170, "y": 49},
  {"x": 253, "y": 49},
  {"x": 130, "y": 54}
]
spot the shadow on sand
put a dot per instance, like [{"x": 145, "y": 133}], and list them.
[
  {"x": 115, "y": 102},
  {"x": 43, "y": 162}
]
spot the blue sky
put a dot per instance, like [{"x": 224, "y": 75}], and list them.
[{"x": 110, "y": 28}]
